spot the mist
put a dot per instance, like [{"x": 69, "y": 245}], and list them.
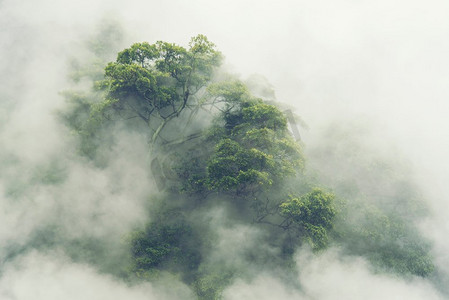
[{"x": 368, "y": 79}]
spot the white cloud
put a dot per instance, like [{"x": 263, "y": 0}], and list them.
[
  {"x": 332, "y": 276},
  {"x": 38, "y": 276},
  {"x": 383, "y": 60}
]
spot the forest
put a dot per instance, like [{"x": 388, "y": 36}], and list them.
[{"x": 233, "y": 194}]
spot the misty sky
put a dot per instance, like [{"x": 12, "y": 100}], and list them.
[{"x": 383, "y": 63}]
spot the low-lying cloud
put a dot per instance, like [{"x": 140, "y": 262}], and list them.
[
  {"x": 332, "y": 275},
  {"x": 333, "y": 61}
]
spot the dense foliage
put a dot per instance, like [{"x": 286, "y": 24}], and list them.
[{"x": 215, "y": 146}]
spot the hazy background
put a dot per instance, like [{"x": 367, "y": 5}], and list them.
[{"x": 382, "y": 66}]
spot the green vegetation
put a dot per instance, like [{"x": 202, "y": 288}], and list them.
[
  {"x": 156, "y": 83},
  {"x": 382, "y": 205},
  {"x": 214, "y": 145},
  {"x": 313, "y": 214}
]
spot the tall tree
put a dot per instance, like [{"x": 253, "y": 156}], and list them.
[
  {"x": 246, "y": 159},
  {"x": 159, "y": 82}
]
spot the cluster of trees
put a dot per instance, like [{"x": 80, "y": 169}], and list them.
[{"x": 225, "y": 148}]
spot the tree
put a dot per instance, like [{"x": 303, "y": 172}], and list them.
[
  {"x": 245, "y": 159},
  {"x": 250, "y": 147},
  {"x": 85, "y": 115},
  {"x": 158, "y": 82},
  {"x": 311, "y": 215},
  {"x": 254, "y": 150},
  {"x": 385, "y": 239},
  {"x": 167, "y": 243}
]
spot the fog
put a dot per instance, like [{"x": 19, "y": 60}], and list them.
[
  {"x": 332, "y": 276},
  {"x": 377, "y": 71}
]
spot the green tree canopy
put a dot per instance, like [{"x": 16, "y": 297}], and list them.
[
  {"x": 243, "y": 158},
  {"x": 312, "y": 215},
  {"x": 158, "y": 82}
]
